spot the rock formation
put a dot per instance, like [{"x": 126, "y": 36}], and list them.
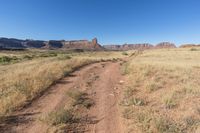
[
  {"x": 6, "y": 43},
  {"x": 189, "y": 45},
  {"x": 165, "y": 45},
  {"x": 11, "y": 43},
  {"x": 141, "y": 46}
]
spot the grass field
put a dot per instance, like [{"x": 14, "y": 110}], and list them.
[
  {"x": 163, "y": 91},
  {"x": 161, "y": 95},
  {"x": 25, "y": 74}
]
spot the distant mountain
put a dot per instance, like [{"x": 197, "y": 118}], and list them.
[
  {"x": 189, "y": 45},
  {"x": 140, "y": 46},
  {"x": 128, "y": 46},
  {"x": 165, "y": 45},
  {"x": 10, "y": 43}
]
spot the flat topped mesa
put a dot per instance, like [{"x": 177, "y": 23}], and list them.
[{"x": 51, "y": 44}]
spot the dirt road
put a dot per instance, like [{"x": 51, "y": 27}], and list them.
[{"x": 102, "y": 83}]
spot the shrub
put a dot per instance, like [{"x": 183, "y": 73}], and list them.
[
  {"x": 5, "y": 59},
  {"x": 80, "y": 98},
  {"x": 133, "y": 101},
  {"x": 129, "y": 92},
  {"x": 165, "y": 126},
  {"x": 61, "y": 116},
  {"x": 28, "y": 57},
  {"x": 137, "y": 101},
  {"x": 150, "y": 87},
  {"x": 8, "y": 59},
  {"x": 193, "y": 49},
  {"x": 124, "y": 53},
  {"x": 169, "y": 102},
  {"x": 64, "y": 57}
]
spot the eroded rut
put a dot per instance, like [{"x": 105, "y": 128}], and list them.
[{"x": 100, "y": 80}]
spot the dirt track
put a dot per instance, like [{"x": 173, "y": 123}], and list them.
[{"x": 100, "y": 80}]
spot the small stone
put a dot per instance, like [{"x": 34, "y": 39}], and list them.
[
  {"x": 121, "y": 81},
  {"x": 111, "y": 94},
  {"x": 115, "y": 88}
]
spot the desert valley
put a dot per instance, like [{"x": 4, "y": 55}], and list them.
[{"x": 81, "y": 86}]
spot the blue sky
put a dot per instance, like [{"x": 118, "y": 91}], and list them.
[{"x": 111, "y": 21}]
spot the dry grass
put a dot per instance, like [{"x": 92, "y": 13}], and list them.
[
  {"x": 169, "y": 80},
  {"x": 72, "y": 117},
  {"x": 80, "y": 98},
  {"x": 22, "y": 81}
]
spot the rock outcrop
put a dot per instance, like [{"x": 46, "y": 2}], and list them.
[
  {"x": 165, "y": 45},
  {"x": 129, "y": 46},
  {"x": 6, "y": 43},
  {"x": 11, "y": 43},
  {"x": 141, "y": 46},
  {"x": 189, "y": 45}
]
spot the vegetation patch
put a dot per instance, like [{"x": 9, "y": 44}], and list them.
[
  {"x": 170, "y": 101},
  {"x": 62, "y": 116},
  {"x": 194, "y": 49},
  {"x": 125, "y": 53},
  {"x": 166, "y": 126},
  {"x": 80, "y": 98},
  {"x": 152, "y": 86},
  {"x": 9, "y": 59},
  {"x": 133, "y": 101},
  {"x": 125, "y": 69}
]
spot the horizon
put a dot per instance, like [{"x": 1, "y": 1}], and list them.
[
  {"x": 177, "y": 45},
  {"x": 112, "y": 22}
]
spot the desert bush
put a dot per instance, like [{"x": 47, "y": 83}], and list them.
[
  {"x": 193, "y": 49},
  {"x": 50, "y": 54},
  {"x": 166, "y": 126},
  {"x": 64, "y": 57},
  {"x": 128, "y": 113},
  {"x": 80, "y": 98},
  {"x": 124, "y": 53},
  {"x": 8, "y": 59},
  {"x": 129, "y": 92},
  {"x": 133, "y": 101},
  {"x": 62, "y": 116},
  {"x": 152, "y": 86},
  {"x": 137, "y": 101},
  {"x": 169, "y": 101}
]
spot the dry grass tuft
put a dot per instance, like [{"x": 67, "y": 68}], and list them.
[{"x": 80, "y": 98}]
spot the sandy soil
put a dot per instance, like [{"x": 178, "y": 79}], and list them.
[{"x": 102, "y": 81}]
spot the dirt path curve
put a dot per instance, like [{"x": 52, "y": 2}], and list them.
[{"x": 100, "y": 80}]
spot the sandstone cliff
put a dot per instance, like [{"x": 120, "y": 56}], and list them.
[{"x": 6, "y": 43}]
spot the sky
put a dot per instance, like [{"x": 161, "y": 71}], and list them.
[{"x": 111, "y": 21}]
